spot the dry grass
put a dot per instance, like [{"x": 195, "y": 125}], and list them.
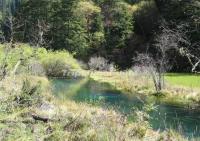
[
  {"x": 130, "y": 82},
  {"x": 67, "y": 120}
]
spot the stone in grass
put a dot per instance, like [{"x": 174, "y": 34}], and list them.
[
  {"x": 46, "y": 112},
  {"x": 49, "y": 112}
]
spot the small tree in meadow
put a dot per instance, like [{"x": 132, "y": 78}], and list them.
[
  {"x": 148, "y": 65},
  {"x": 156, "y": 66}
]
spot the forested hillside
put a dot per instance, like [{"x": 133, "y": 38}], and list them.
[{"x": 115, "y": 29}]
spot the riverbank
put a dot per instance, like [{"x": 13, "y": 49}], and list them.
[
  {"x": 128, "y": 82},
  {"x": 30, "y": 112}
]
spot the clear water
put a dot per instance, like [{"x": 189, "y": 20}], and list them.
[{"x": 166, "y": 116}]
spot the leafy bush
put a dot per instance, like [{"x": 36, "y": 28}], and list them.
[
  {"x": 100, "y": 64},
  {"x": 58, "y": 63},
  {"x": 38, "y": 61},
  {"x": 55, "y": 67},
  {"x": 22, "y": 52},
  {"x": 65, "y": 56}
]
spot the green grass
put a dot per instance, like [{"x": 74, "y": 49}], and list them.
[{"x": 183, "y": 79}]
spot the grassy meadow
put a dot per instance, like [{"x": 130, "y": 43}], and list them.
[{"x": 182, "y": 79}]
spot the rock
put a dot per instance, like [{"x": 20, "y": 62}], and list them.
[{"x": 46, "y": 112}]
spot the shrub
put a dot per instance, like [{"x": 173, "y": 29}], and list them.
[
  {"x": 112, "y": 68},
  {"x": 142, "y": 70},
  {"x": 38, "y": 61},
  {"x": 22, "y": 52},
  {"x": 100, "y": 64},
  {"x": 59, "y": 55},
  {"x": 36, "y": 68},
  {"x": 58, "y": 64},
  {"x": 55, "y": 67},
  {"x": 32, "y": 66},
  {"x": 83, "y": 65},
  {"x": 30, "y": 95},
  {"x": 154, "y": 67}
]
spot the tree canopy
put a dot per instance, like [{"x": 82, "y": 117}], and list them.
[{"x": 116, "y": 30}]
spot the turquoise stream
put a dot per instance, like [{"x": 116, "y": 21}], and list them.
[{"x": 165, "y": 116}]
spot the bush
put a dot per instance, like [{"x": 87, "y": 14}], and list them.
[
  {"x": 30, "y": 95},
  {"x": 100, "y": 64},
  {"x": 38, "y": 61},
  {"x": 55, "y": 67},
  {"x": 22, "y": 52},
  {"x": 65, "y": 56},
  {"x": 83, "y": 65},
  {"x": 36, "y": 68},
  {"x": 58, "y": 64}
]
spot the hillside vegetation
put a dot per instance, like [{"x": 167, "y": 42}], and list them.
[{"x": 117, "y": 30}]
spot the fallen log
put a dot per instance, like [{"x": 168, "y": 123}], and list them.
[{"x": 40, "y": 118}]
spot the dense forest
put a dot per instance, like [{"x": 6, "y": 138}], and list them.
[{"x": 115, "y": 29}]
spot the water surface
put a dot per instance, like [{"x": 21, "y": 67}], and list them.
[{"x": 166, "y": 116}]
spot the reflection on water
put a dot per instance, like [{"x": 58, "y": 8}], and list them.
[{"x": 166, "y": 116}]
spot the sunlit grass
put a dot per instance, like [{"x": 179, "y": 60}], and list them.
[
  {"x": 180, "y": 89},
  {"x": 173, "y": 79},
  {"x": 187, "y": 80}
]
